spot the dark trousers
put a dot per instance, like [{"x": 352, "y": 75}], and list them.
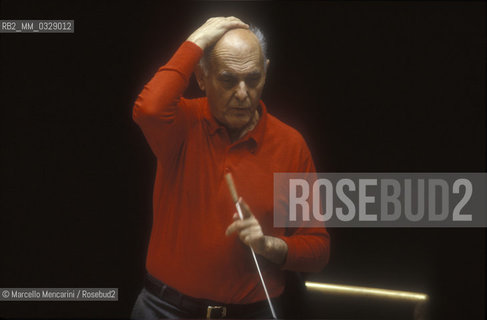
[{"x": 149, "y": 306}]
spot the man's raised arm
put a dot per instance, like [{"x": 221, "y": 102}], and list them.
[{"x": 157, "y": 109}]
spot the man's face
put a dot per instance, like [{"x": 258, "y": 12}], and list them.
[{"x": 236, "y": 77}]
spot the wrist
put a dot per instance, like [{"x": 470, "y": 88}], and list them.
[
  {"x": 275, "y": 249},
  {"x": 197, "y": 41}
]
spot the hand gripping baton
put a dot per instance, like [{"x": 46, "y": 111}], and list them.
[{"x": 233, "y": 192}]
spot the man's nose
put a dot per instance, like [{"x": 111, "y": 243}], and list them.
[{"x": 241, "y": 93}]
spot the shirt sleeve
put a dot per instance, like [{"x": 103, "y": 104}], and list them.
[
  {"x": 160, "y": 110},
  {"x": 308, "y": 248}
]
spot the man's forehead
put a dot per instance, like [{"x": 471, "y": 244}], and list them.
[
  {"x": 236, "y": 65},
  {"x": 237, "y": 50}
]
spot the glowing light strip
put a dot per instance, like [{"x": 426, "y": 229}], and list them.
[{"x": 363, "y": 291}]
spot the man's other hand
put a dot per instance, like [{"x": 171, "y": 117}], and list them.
[
  {"x": 213, "y": 29},
  {"x": 250, "y": 233},
  {"x": 249, "y": 230}
]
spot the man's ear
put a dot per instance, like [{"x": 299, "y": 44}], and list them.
[{"x": 200, "y": 76}]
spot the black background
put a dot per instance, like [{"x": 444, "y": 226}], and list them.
[{"x": 372, "y": 86}]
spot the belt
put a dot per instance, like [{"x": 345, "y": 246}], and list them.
[{"x": 200, "y": 308}]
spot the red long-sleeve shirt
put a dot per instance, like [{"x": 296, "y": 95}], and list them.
[{"x": 188, "y": 249}]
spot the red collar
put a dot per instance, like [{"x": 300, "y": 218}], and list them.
[{"x": 255, "y": 134}]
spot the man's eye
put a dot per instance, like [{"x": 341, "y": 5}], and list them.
[
  {"x": 253, "y": 80},
  {"x": 226, "y": 80}
]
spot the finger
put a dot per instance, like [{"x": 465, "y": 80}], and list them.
[
  {"x": 247, "y": 213},
  {"x": 226, "y": 24},
  {"x": 246, "y": 223},
  {"x": 252, "y": 239},
  {"x": 231, "y": 229},
  {"x": 237, "y": 20},
  {"x": 239, "y": 225},
  {"x": 243, "y": 235},
  {"x": 253, "y": 230},
  {"x": 239, "y": 24},
  {"x": 235, "y": 226},
  {"x": 245, "y": 232}
]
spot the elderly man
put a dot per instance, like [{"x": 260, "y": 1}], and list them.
[{"x": 199, "y": 262}]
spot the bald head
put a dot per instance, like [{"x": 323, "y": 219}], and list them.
[
  {"x": 237, "y": 44},
  {"x": 242, "y": 40},
  {"x": 239, "y": 36}
]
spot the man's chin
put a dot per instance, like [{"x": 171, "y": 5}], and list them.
[{"x": 237, "y": 123}]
